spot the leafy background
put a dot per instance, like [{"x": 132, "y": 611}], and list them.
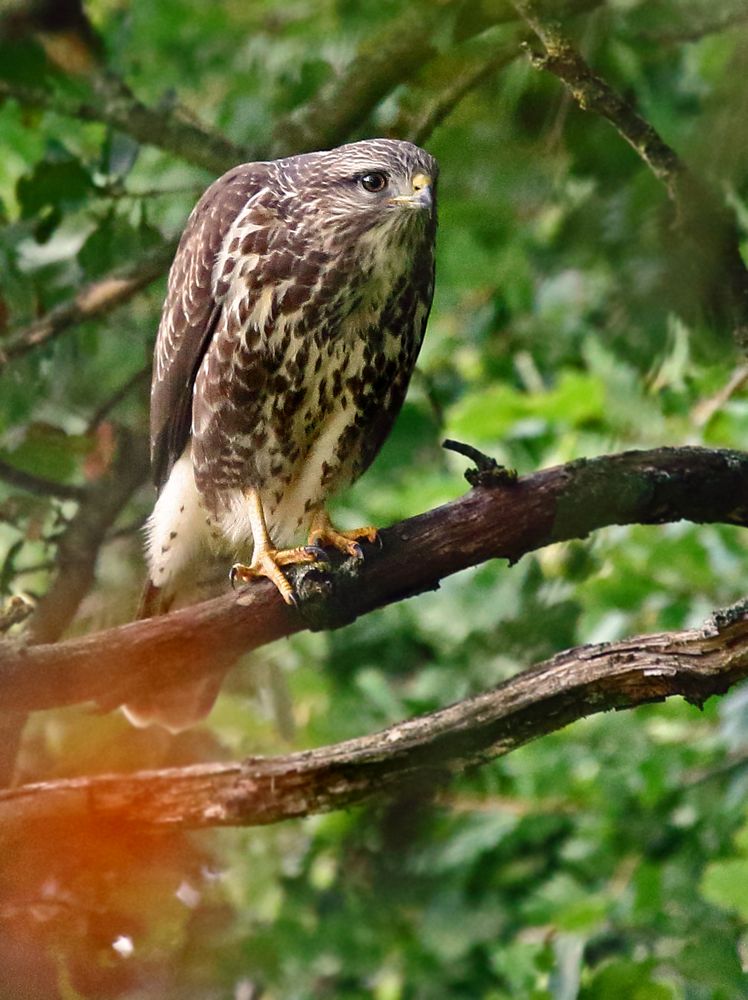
[{"x": 608, "y": 860}]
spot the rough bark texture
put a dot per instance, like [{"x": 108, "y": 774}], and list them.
[
  {"x": 496, "y": 519},
  {"x": 428, "y": 749}
]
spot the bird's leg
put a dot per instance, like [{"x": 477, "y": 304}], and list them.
[
  {"x": 321, "y": 532},
  {"x": 266, "y": 560}
]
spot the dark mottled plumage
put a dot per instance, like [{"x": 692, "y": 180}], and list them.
[{"x": 295, "y": 310}]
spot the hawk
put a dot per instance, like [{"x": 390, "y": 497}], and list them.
[{"x": 295, "y": 310}]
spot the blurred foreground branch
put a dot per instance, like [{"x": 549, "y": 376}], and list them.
[
  {"x": 696, "y": 663},
  {"x": 499, "y": 518}
]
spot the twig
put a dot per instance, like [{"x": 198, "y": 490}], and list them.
[
  {"x": 554, "y": 505},
  {"x": 703, "y": 412},
  {"x": 118, "y": 192},
  {"x": 425, "y": 751},
  {"x": 716, "y": 21},
  {"x": 735, "y": 761},
  {"x": 93, "y": 300},
  {"x": 78, "y": 546},
  {"x": 113, "y": 103},
  {"x": 40, "y": 567},
  {"x": 134, "y": 382},
  {"x": 431, "y": 106},
  {"x": 702, "y": 216},
  {"x": 126, "y": 531},
  {"x": 592, "y": 93},
  {"x": 446, "y": 80},
  {"x": 384, "y": 61},
  {"x": 38, "y": 485},
  {"x": 392, "y": 57}
]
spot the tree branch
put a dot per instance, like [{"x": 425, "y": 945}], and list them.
[
  {"x": 112, "y": 103},
  {"x": 705, "y": 23},
  {"x": 140, "y": 378},
  {"x": 502, "y": 521},
  {"x": 78, "y": 547},
  {"x": 383, "y": 62},
  {"x": 448, "y": 79},
  {"x": 391, "y": 58},
  {"x": 77, "y": 552},
  {"x": 696, "y": 664},
  {"x": 38, "y": 485},
  {"x": 702, "y": 216},
  {"x": 592, "y": 93},
  {"x": 93, "y": 300}
]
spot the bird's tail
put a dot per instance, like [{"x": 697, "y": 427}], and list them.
[
  {"x": 153, "y": 601},
  {"x": 181, "y": 705}
]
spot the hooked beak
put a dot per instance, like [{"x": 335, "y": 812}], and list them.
[{"x": 423, "y": 194}]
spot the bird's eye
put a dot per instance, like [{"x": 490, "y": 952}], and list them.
[{"x": 373, "y": 182}]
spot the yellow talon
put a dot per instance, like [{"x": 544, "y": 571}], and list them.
[
  {"x": 321, "y": 532},
  {"x": 267, "y": 563},
  {"x": 266, "y": 560}
]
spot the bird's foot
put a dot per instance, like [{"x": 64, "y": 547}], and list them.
[
  {"x": 323, "y": 533},
  {"x": 268, "y": 563}
]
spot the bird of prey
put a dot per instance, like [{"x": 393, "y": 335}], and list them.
[{"x": 295, "y": 310}]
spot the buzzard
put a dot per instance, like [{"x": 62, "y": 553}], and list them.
[{"x": 295, "y": 310}]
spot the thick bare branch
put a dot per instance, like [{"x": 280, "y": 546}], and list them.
[
  {"x": 426, "y": 750},
  {"x": 497, "y": 519}
]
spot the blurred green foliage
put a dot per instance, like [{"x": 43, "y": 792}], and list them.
[{"x": 606, "y": 861}]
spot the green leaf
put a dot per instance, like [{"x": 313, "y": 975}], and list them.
[
  {"x": 725, "y": 883},
  {"x": 628, "y": 980},
  {"x": 113, "y": 242},
  {"x": 22, "y": 60},
  {"x": 57, "y": 184}
]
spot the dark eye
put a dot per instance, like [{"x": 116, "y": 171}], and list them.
[{"x": 375, "y": 181}]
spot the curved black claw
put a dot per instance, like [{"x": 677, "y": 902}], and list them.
[
  {"x": 233, "y": 574},
  {"x": 358, "y": 552},
  {"x": 316, "y": 550}
]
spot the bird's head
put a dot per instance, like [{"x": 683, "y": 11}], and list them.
[{"x": 377, "y": 186}]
